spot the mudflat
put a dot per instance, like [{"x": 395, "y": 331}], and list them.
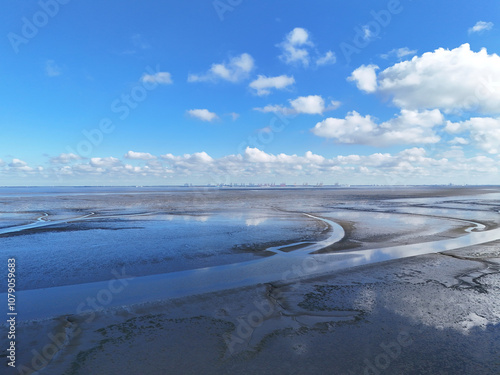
[{"x": 305, "y": 281}]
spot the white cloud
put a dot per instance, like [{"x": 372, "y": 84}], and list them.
[
  {"x": 313, "y": 158},
  {"x": 64, "y": 158},
  {"x": 237, "y": 69},
  {"x": 390, "y": 169},
  {"x": 399, "y": 53},
  {"x": 17, "y": 163},
  {"x": 410, "y": 127},
  {"x": 365, "y": 78},
  {"x": 353, "y": 129},
  {"x": 188, "y": 160},
  {"x": 258, "y": 156},
  {"x": 481, "y": 26},
  {"x": 294, "y": 47},
  {"x": 312, "y": 105},
  {"x": 298, "y": 49},
  {"x": 52, "y": 69},
  {"x": 409, "y": 166},
  {"x": 27, "y": 169},
  {"x": 263, "y": 85},
  {"x": 298, "y": 37},
  {"x": 484, "y": 132},
  {"x": 104, "y": 162},
  {"x": 163, "y": 78},
  {"x": 139, "y": 155},
  {"x": 234, "y": 115},
  {"x": 451, "y": 80},
  {"x": 458, "y": 141},
  {"x": 273, "y": 108},
  {"x": 111, "y": 167},
  {"x": 203, "y": 114},
  {"x": 328, "y": 58},
  {"x": 334, "y": 104},
  {"x": 454, "y": 152}
]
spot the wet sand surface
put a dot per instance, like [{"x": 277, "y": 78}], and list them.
[{"x": 427, "y": 314}]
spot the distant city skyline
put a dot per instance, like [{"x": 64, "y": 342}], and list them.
[{"x": 394, "y": 92}]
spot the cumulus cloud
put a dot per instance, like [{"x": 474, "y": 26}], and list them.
[
  {"x": 199, "y": 162},
  {"x": 312, "y": 105},
  {"x": 458, "y": 141},
  {"x": 399, "y": 53},
  {"x": 483, "y": 132},
  {"x": 273, "y": 108},
  {"x": 163, "y": 78},
  {"x": 295, "y": 47},
  {"x": 298, "y": 49},
  {"x": 65, "y": 158},
  {"x": 451, "y": 80},
  {"x": 390, "y": 168},
  {"x": 328, "y": 58},
  {"x": 365, "y": 78},
  {"x": 105, "y": 162},
  {"x": 17, "y": 163},
  {"x": 21, "y": 166},
  {"x": 203, "y": 114},
  {"x": 480, "y": 26},
  {"x": 409, "y": 127},
  {"x": 259, "y": 156},
  {"x": 263, "y": 85},
  {"x": 237, "y": 69},
  {"x": 412, "y": 165},
  {"x": 139, "y": 155}
]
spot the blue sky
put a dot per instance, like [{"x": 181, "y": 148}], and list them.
[{"x": 143, "y": 92}]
